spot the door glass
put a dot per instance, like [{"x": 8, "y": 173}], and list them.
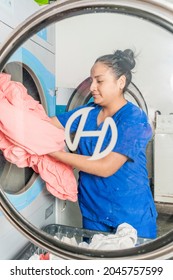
[{"x": 62, "y": 60}]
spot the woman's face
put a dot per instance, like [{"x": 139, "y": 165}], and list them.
[{"x": 105, "y": 87}]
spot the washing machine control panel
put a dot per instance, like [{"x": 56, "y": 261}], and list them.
[{"x": 164, "y": 124}]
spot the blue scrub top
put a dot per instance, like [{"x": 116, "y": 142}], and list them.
[{"x": 124, "y": 196}]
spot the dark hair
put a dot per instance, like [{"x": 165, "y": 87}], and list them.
[{"x": 121, "y": 62}]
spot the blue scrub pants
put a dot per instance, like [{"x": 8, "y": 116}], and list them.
[{"x": 148, "y": 230}]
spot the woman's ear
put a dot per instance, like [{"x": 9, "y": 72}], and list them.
[{"x": 122, "y": 81}]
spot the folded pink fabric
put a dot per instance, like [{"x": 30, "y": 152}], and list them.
[{"x": 27, "y": 136}]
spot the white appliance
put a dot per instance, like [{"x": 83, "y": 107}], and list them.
[{"x": 163, "y": 159}]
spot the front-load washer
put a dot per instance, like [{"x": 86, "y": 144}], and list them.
[
  {"x": 33, "y": 65},
  {"x": 157, "y": 17}
]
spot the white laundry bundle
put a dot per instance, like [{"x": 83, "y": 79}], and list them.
[{"x": 125, "y": 237}]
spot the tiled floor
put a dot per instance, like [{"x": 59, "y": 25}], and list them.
[
  {"x": 165, "y": 223},
  {"x": 165, "y": 217}
]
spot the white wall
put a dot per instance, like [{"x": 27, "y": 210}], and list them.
[
  {"x": 13, "y": 12},
  {"x": 80, "y": 40}
]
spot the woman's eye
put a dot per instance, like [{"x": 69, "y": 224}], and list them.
[{"x": 99, "y": 82}]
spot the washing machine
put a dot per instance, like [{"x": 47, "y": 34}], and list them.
[
  {"x": 85, "y": 30},
  {"x": 33, "y": 65}
]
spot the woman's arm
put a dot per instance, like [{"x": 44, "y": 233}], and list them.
[
  {"x": 56, "y": 122},
  {"x": 103, "y": 167}
]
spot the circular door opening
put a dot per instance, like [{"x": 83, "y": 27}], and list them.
[
  {"x": 82, "y": 95},
  {"x": 150, "y": 12}
]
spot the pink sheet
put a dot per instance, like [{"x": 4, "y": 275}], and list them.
[{"x": 27, "y": 135}]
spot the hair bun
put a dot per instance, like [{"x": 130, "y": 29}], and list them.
[
  {"x": 129, "y": 55},
  {"x": 125, "y": 57}
]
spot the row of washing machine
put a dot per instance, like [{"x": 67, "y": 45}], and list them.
[{"x": 32, "y": 64}]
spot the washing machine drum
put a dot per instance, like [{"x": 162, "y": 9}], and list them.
[
  {"x": 12, "y": 178},
  {"x": 158, "y": 13}
]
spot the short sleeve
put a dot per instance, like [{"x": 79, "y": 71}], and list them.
[
  {"x": 63, "y": 118},
  {"x": 132, "y": 138}
]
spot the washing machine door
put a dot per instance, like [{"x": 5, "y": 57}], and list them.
[{"x": 144, "y": 21}]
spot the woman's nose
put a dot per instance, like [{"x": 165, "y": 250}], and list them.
[{"x": 92, "y": 86}]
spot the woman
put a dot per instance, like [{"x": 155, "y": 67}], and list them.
[{"x": 113, "y": 189}]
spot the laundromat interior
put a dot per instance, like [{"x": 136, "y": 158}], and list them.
[{"x": 50, "y": 50}]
